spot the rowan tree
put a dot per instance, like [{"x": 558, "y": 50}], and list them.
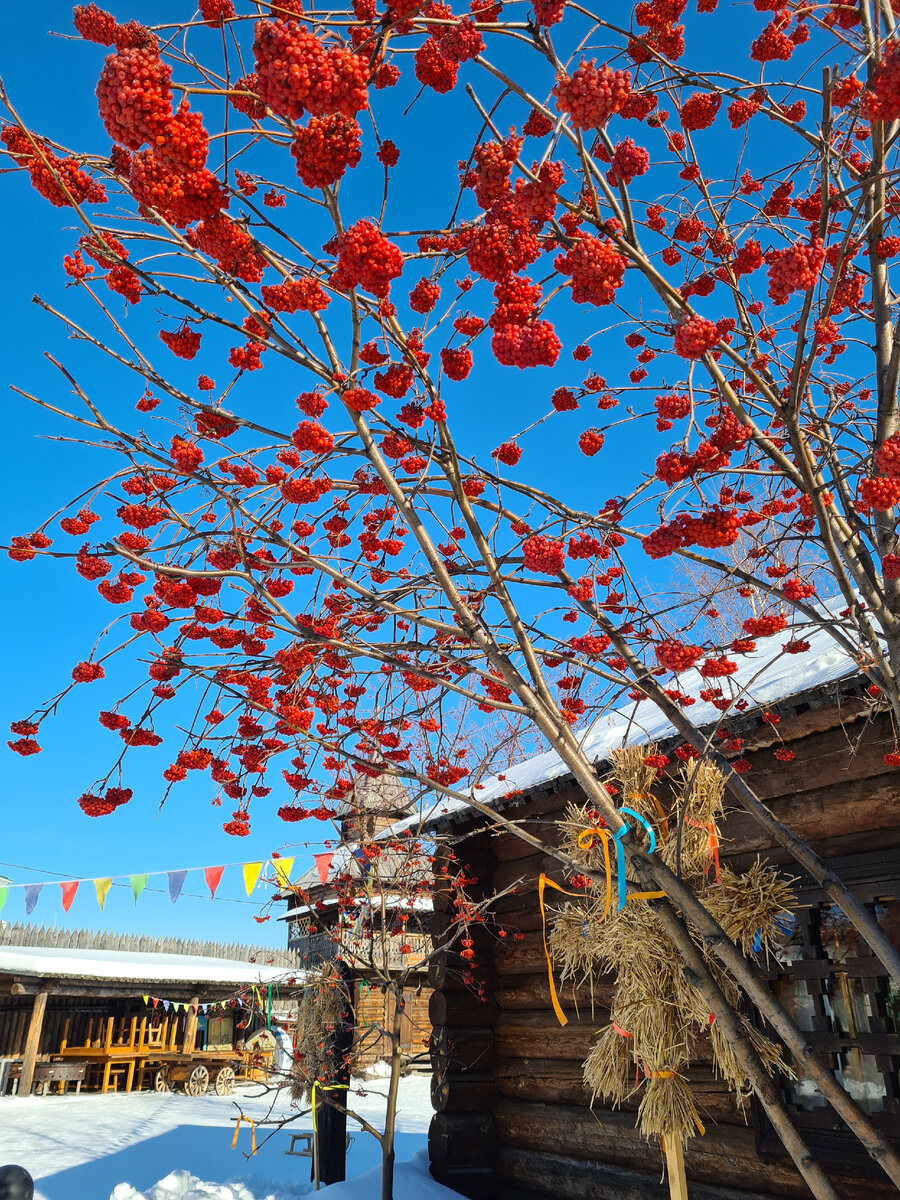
[{"x": 693, "y": 187}]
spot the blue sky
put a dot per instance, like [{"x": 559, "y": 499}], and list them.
[{"x": 51, "y": 618}]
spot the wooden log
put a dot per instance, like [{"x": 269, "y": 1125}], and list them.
[
  {"x": 537, "y": 1034},
  {"x": 190, "y": 1026},
  {"x": 461, "y": 1008},
  {"x": 446, "y": 968},
  {"x": 524, "y": 1174},
  {"x": 477, "y": 1183},
  {"x": 533, "y": 992},
  {"x": 726, "y": 1155},
  {"x": 524, "y": 957},
  {"x": 32, "y": 1042},
  {"x": 461, "y": 1140},
  {"x": 462, "y": 1091},
  {"x": 462, "y": 1049}
]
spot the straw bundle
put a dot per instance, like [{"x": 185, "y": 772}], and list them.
[
  {"x": 318, "y": 1014},
  {"x": 657, "y": 1017}
]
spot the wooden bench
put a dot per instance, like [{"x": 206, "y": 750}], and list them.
[
  {"x": 306, "y": 1138},
  {"x": 46, "y": 1074}
]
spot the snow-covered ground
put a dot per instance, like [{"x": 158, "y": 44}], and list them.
[{"x": 174, "y": 1147}]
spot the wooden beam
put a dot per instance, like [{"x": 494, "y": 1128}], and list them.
[
  {"x": 675, "y": 1169},
  {"x": 32, "y": 1043},
  {"x": 190, "y": 1026}
]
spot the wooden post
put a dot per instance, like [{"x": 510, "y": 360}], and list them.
[
  {"x": 675, "y": 1169},
  {"x": 32, "y": 1042},
  {"x": 190, "y": 1026}
]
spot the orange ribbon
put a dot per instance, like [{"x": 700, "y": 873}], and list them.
[{"x": 713, "y": 848}]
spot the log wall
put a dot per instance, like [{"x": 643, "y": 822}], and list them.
[
  {"x": 513, "y": 1118},
  {"x": 374, "y": 1012}
]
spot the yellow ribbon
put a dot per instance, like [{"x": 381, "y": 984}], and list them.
[
  {"x": 663, "y": 819},
  {"x": 237, "y": 1127},
  {"x": 324, "y": 1087}
]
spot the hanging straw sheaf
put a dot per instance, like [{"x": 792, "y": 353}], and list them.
[{"x": 658, "y": 1018}]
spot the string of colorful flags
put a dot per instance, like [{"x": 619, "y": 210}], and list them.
[
  {"x": 213, "y": 876},
  {"x": 178, "y": 1005}
]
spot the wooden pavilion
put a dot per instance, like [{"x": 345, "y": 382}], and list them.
[
  {"x": 74, "y": 1009},
  {"x": 515, "y": 1120}
]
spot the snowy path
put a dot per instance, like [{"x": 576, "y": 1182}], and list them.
[{"x": 81, "y": 1147}]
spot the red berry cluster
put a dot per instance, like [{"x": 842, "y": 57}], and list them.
[
  {"x": 628, "y": 161},
  {"x": 309, "y": 435},
  {"x": 676, "y": 656},
  {"x": 94, "y": 24},
  {"x": 99, "y": 806},
  {"x": 543, "y": 555},
  {"x": 887, "y": 247},
  {"x": 434, "y": 69},
  {"x": 795, "y": 269},
  {"x": 216, "y": 12},
  {"x": 180, "y": 199},
  {"x": 880, "y": 493},
  {"x": 461, "y": 42},
  {"x": 325, "y": 148},
  {"x": 882, "y": 103},
  {"x": 183, "y": 342},
  {"x": 231, "y": 247},
  {"x": 695, "y": 336},
  {"x": 456, "y": 363},
  {"x": 360, "y": 400},
  {"x": 765, "y": 625},
  {"x": 365, "y": 258},
  {"x": 134, "y": 96},
  {"x": 424, "y": 296},
  {"x": 717, "y": 668},
  {"x": 295, "y": 73},
  {"x": 591, "y": 442},
  {"x": 592, "y": 95},
  {"x": 596, "y": 269},
  {"x": 531, "y": 345},
  {"x": 699, "y": 111},
  {"x": 87, "y": 672},
  {"x": 59, "y": 180},
  {"x": 548, "y": 12},
  {"x": 887, "y": 456},
  {"x": 773, "y": 44},
  {"x": 795, "y": 590},
  {"x": 295, "y": 295},
  {"x": 890, "y": 566},
  {"x": 187, "y": 456},
  {"x": 250, "y": 105}
]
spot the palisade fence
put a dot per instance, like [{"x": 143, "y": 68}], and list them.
[{"x": 18, "y": 934}]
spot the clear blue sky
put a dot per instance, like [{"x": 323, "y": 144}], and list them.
[{"x": 51, "y": 618}]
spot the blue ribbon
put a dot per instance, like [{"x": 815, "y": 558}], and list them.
[{"x": 620, "y": 852}]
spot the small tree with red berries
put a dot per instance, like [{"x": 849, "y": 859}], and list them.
[{"x": 342, "y": 582}]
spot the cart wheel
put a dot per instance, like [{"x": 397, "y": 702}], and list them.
[
  {"x": 198, "y": 1081},
  {"x": 225, "y": 1081},
  {"x": 160, "y": 1083}
]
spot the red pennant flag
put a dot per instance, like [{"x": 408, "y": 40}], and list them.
[
  {"x": 213, "y": 876},
  {"x": 68, "y": 894},
  {"x": 323, "y": 862},
  {"x": 155, "y": 1000}
]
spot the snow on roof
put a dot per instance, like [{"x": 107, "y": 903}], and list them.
[
  {"x": 134, "y": 966},
  {"x": 391, "y": 900},
  {"x": 764, "y": 677}
]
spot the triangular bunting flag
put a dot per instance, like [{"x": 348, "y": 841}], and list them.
[
  {"x": 138, "y": 883},
  {"x": 176, "y": 883},
  {"x": 323, "y": 864},
  {"x": 101, "y": 887},
  {"x": 176, "y": 1006},
  {"x": 146, "y": 999},
  {"x": 68, "y": 893},
  {"x": 283, "y": 871},
  {"x": 32, "y": 891},
  {"x": 4, "y": 892},
  {"x": 155, "y": 1000},
  {"x": 165, "y": 1005},
  {"x": 365, "y": 864},
  {"x": 213, "y": 876},
  {"x": 251, "y": 874}
]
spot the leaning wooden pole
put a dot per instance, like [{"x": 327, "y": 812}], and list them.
[{"x": 32, "y": 1043}]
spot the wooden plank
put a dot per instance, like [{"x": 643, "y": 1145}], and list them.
[
  {"x": 675, "y": 1169},
  {"x": 32, "y": 1043},
  {"x": 461, "y": 1008},
  {"x": 190, "y": 1026}
]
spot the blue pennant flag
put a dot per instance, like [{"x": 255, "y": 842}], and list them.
[
  {"x": 362, "y": 858},
  {"x": 32, "y": 891},
  {"x": 176, "y": 883}
]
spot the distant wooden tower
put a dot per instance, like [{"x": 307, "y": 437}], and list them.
[{"x": 318, "y": 933}]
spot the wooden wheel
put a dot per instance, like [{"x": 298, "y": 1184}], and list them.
[
  {"x": 198, "y": 1081},
  {"x": 160, "y": 1083},
  {"x": 224, "y": 1083}
]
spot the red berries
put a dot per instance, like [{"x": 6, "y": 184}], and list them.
[
  {"x": 309, "y": 435},
  {"x": 94, "y": 24},
  {"x": 325, "y": 148},
  {"x": 360, "y": 400},
  {"x": 887, "y": 456},
  {"x": 883, "y": 102},
  {"x": 765, "y": 625},
  {"x": 456, "y": 363},
  {"x": 596, "y": 269},
  {"x": 880, "y": 493},
  {"x": 508, "y": 453},
  {"x": 591, "y": 442},
  {"x": 592, "y": 95},
  {"x": 87, "y": 672},
  {"x": 183, "y": 342},
  {"x": 134, "y": 96},
  {"x": 699, "y": 111},
  {"x": 695, "y": 336},
  {"x": 796, "y": 269},
  {"x": 295, "y": 295},
  {"x": 675, "y": 655},
  {"x": 365, "y": 258},
  {"x": 890, "y": 566},
  {"x": 296, "y": 74},
  {"x": 543, "y": 555}
]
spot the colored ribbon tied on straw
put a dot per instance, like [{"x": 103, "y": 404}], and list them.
[
  {"x": 237, "y": 1127},
  {"x": 586, "y": 842},
  {"x": 671, "y": 1075},
  {"x": 713, "y": 859}
]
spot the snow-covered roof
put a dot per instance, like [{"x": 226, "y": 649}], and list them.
[
  {"x": 134, "y": 967},
  {"x": 763, "y": 677},
  {"x": 390, "y": 900}
]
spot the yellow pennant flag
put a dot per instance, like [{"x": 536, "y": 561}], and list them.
[
  {"x": 251, "y": 874},
  {"x": 101, "y": 887},
  {"x": 146, "y": 999},
  {"x": 283, "y": 871}
]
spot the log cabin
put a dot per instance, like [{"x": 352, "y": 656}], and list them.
[{"x": 514, "y": 1119}]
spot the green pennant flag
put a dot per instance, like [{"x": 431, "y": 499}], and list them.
[
  {"x": 4, "y": 892},
  {"x": 138, "y": 883}
]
